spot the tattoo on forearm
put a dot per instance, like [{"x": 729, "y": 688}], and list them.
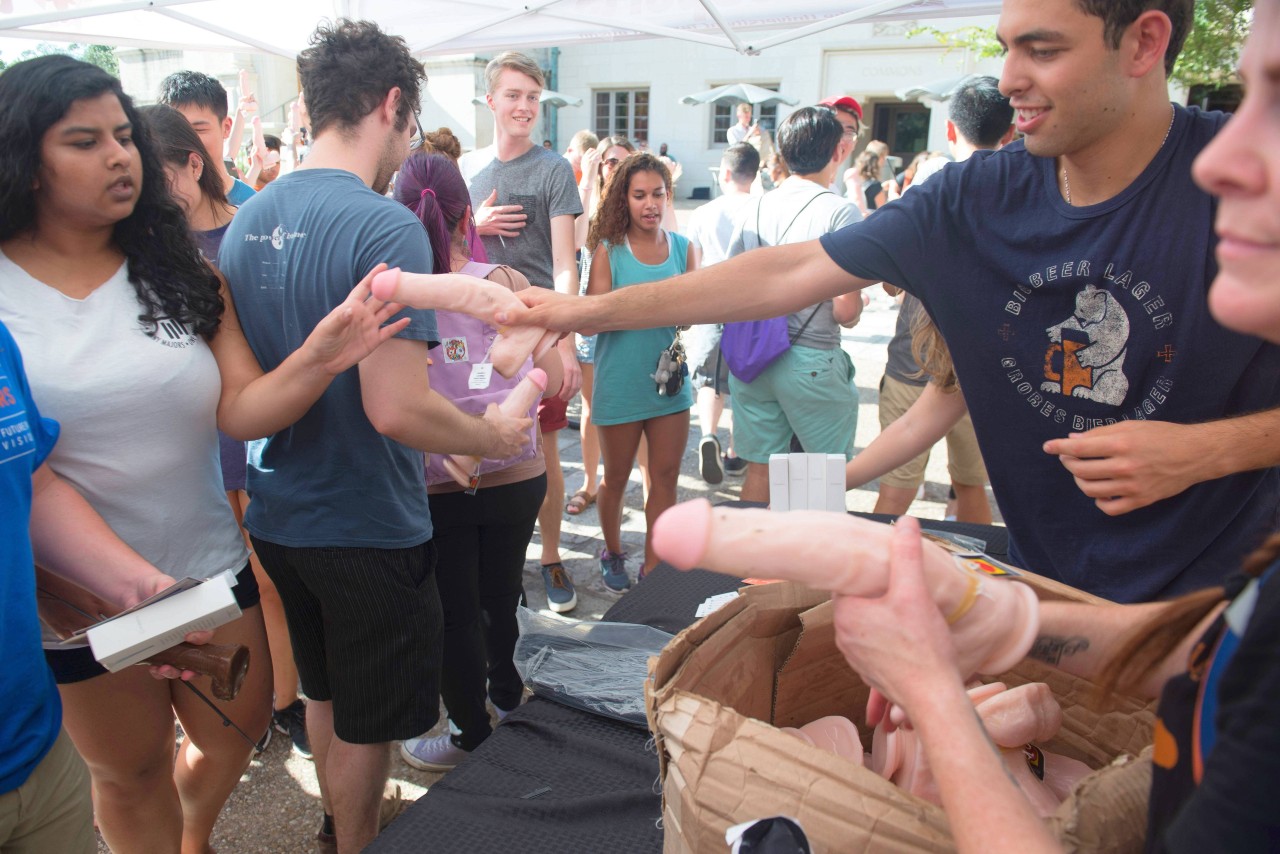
[{"x": 1051, "y": 649}]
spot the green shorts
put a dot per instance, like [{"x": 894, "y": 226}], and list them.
[{"x": 807, "y": 393}]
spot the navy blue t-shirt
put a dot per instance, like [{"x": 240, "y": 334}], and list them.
[
  {"x": 292, "y": 253},
  {"x": 32, "y": 714},
  {"x": 1061, "y": 319}
]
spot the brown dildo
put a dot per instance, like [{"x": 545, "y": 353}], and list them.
[{"x": 224, "y": 664}]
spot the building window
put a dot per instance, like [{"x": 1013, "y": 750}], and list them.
[
  {"x": 904, "y": 127},
  {"x": 724, "y": 115},
  {"x": 623, "y": 112}
]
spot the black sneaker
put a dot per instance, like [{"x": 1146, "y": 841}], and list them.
[
  {"x": 709, "y": 465},
  {"x": 292, "y": 721},
  {"x": 735, "y": 466}
]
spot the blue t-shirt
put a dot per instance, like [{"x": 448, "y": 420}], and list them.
[
  {"x": 240, "y": 193},
  {"x": 624, "y": 360},
  {"x": 292, "y": 253},
  {"x": 32, "y": 713},
  {"x": 1061, "y": 319}
]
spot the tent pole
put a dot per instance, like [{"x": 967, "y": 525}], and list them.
[
  {"x": 724, "y": 26},
  {"x": 226, "y": 33},
  {"x": 76, "y": 13}
]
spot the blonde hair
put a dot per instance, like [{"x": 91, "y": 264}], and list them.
[
  {"x": 516, "y": 61},
  {"x": 584, "y": 141}
]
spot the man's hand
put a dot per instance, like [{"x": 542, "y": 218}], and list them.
[
  {"x": 354, "y": 328},
  {"x": 494, "y": 220},
  {"x": 549, "y": 310},
  {"x": 572, "y": 381},
  {"x": 510, "y": 433},
  {"x": 1133, "y": 464},
  {"x": 898, "y": 643}
]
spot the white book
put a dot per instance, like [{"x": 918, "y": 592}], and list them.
[{"x": 162, "y": 622}]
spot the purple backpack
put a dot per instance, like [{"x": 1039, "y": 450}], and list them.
[{"x": 464, "y": 343}]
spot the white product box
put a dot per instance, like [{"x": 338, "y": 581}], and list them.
[
  {"x": 806, "y": 482},
  {"x": 162, "y": 621},
  {"x": 779, "y": 476}
]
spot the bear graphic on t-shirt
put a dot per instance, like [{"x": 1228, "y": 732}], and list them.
[{"x": 1086, "y": 351}]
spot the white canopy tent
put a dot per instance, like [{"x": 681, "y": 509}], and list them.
[{"x": 454, "y": 26}]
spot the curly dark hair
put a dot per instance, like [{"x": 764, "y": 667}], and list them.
[
  {"x": 613, "y": 217},
  {"x": 1117, "y": 15},
  {"x": 348, "y": 70},
  {"x": 166, "y": 269}
]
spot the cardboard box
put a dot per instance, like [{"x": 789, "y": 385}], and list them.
[
  {"x": 154, "y": 626},
  {"x": 720, "y": 690}
]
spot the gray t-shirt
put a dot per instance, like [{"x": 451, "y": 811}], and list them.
[
  {"x": 901, "y": 365},
  {"x": 539, "y": 180},
  {"x": 292, "y": 253},
  {"x": 798, "y": 210}
]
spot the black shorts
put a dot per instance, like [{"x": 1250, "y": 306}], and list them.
[
  {"x": 78, "y": 664},
  {"x": 366, "y": 630}
]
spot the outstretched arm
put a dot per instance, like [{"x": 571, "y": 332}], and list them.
[
  {"x": 1133, "y": 464},
  {"x": 783, "y": 279},
  {"x": 933, "y": 414},
  {"x": 398, "y": 400}
]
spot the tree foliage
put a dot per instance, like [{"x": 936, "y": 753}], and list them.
[
  {"x": 1209, "y": 55},
  {"x": 100, "y": 55}
]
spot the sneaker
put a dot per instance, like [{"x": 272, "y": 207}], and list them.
[
  {"x": 735, "y": 466},
  {"x": 434, "y": 753},
  {"x": 560, "y": 593},
  {"x": 292, "y": 721},
  {"x": 709, "y": 465},
  {"x": 614, "y": 569}
]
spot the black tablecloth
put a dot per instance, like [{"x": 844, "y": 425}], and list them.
[{"x": 553, "y": 779}]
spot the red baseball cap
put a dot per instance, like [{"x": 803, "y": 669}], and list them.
[{"x": 843, "y": 102}]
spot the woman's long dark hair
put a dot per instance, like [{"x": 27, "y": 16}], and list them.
[
  {"x": 431, "y": 186},
  {"x": 165, "y": 267},
  {"x": 176, "y": 141}
]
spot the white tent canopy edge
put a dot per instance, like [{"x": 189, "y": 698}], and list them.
[{"x": 435, "y": 27}]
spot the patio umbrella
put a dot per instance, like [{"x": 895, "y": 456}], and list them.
[
  {"x": 738, "y": 92},
  {"x": 937, "y": 90},
  {"x": 549, "y": 97}
]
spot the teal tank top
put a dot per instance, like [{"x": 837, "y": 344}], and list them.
[{"x": 624, "y": 391}]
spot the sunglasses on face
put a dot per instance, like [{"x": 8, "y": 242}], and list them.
[{"x": 611, "y": 162}]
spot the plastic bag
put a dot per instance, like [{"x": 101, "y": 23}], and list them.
[{"x": 596, "y": 667}]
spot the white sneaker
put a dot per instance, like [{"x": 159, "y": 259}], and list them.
[{"x": 435, "y": 753}]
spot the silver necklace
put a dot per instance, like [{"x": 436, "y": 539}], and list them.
[{"x": 1066, "y": 181}]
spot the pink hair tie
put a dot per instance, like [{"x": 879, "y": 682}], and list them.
[{"x": 423, "y": 195}]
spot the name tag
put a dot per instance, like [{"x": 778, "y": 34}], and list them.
[{"x": 481, "y": 374}]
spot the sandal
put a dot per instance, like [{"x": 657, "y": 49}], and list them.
[{"x": 580, "y": 501}]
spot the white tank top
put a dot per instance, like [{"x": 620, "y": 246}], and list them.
[{"x": 138, "y": 412}]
